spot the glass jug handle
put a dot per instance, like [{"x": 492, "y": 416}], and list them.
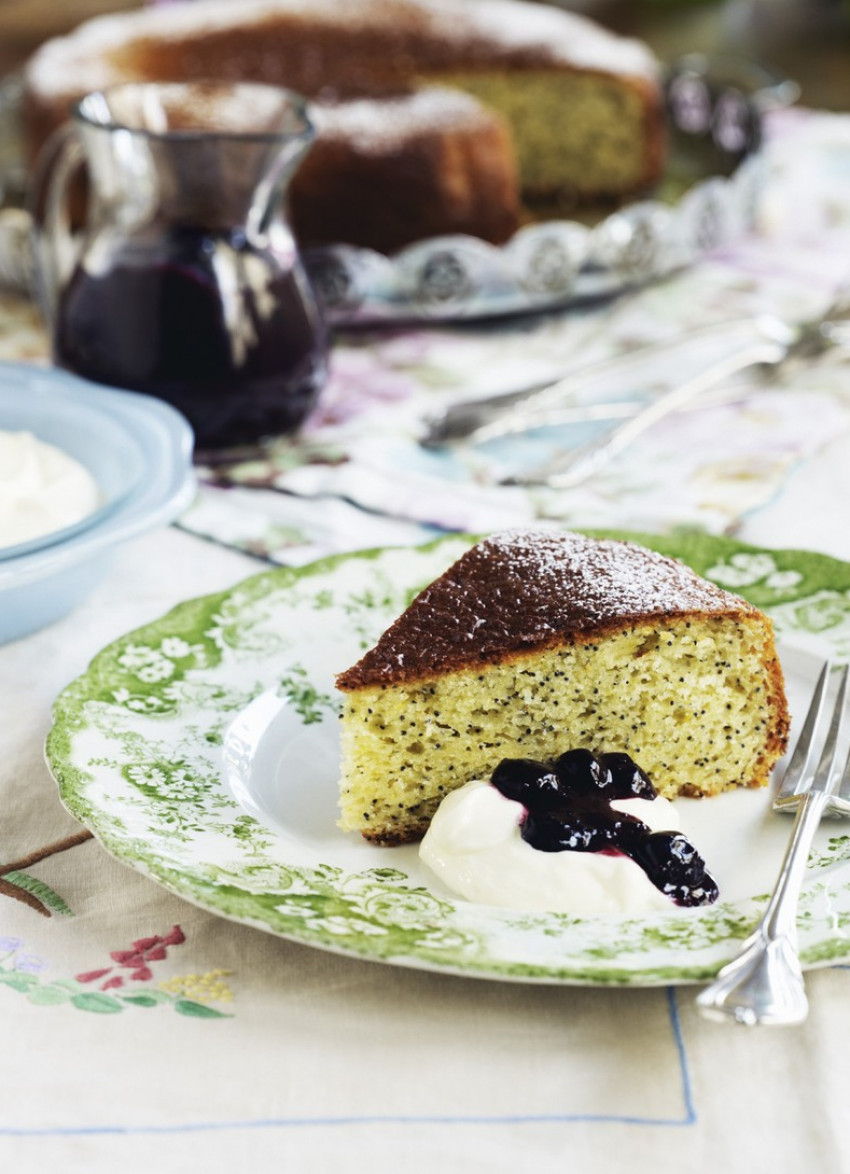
[{"x": 55, "y": 248}]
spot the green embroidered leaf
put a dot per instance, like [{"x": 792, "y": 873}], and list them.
[
  {"x": 148, "y": 999},
  {"x": 17, "y": 980},
  {"x": 49, "y": 995},
  {"x": 69, "y": 984},
  {"x": 40, "y": 890},
  {"x": 95, "y": 1001},
  {"x": 199, "y": 1010}
]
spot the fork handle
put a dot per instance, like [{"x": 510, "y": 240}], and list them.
[
  {"x": 764, "y": 984},
  {"x": 780, "y": 916}
]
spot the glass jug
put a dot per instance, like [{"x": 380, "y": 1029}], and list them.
[{"x": 173, "y": 270}]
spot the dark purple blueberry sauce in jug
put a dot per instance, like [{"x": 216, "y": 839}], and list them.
[
  {"x": 215, "y": 326},
  {"x": 569, "y": 809}
]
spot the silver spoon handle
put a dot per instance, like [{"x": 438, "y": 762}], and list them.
[{"x": 572, "y": 468}]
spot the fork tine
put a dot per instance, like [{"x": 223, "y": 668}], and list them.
[
  {"x": 796, "y": 778},
  {"x": 840, "y": 802},
  {"x": 826, "y": 773},
  {"x": 840, "y": 799}
]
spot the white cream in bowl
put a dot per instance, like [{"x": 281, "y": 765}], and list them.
[{"x": 42, "y": 489}]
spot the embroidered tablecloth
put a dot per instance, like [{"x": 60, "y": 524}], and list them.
[{"x": 144, "y": 1033}]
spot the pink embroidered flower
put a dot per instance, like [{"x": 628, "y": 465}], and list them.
[
  {"x": 92, "y": 975},
  {"x": 136, "y": 960}
]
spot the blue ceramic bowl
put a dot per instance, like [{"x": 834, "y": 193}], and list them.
[{"x": 138, "y": 450}]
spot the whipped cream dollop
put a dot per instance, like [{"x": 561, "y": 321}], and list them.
[
  {"x": 42, "y": 488},
  {"x": 475, "y": 847}
]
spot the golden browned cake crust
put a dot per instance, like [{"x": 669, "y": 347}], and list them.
[
  {"x": 447, "y": 160},
  {"x": 528, "y": 590}
]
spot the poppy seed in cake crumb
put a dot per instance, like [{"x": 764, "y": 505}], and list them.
[{"x": 658, "y": 633}]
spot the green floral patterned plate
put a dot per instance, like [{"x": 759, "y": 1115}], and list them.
[{"x": 202, "y": 751}]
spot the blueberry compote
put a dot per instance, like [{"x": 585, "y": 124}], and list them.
[
  {"x": 569, "y": 809},
  {"x": 206, "y": 321}
]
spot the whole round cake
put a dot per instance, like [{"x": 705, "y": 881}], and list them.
[
  {"x": 581, "y": 106},
  {"x": 536, "y": 641}
]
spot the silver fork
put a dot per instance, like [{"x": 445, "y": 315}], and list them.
[{"x": 764, "y": 984}]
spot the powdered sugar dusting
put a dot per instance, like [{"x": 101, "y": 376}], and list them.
[
  {"x": 523, "y": 590},
  {"x": 569, "y": 37},
  {"x": 604, "y": 577},
  {"x": 378, "y": 125},
  {"x": 559, "y": 36}
]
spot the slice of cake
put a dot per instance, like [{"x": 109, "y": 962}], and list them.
[{"x": 536, "y": 641}]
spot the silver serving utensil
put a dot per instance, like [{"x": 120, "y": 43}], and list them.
[
  {"x": 488, "y": 417},
  {"x": 462, "y": 421},
  {"x": 620, "y": 409},
  {"x": 779, "y": 344},
  {"x": 541, "y": 403},
  {"x": 569, "y": 469},
  {"x": 764, "y": 984}
]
